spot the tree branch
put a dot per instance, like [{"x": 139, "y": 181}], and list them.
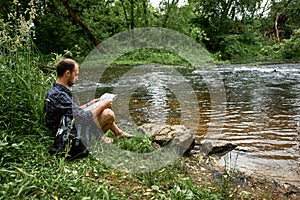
[{"x": 82, "y": 25}]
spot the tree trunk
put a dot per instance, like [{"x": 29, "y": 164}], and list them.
[
  {"x": 145, "y": 5},
  {"x": 82, "y": 25},
  {"x": 131, "y": 14},
  {"x": 125, "y": 14},
  {"x": 276, "y": 26},
  {"x": 168, "y": 10}
]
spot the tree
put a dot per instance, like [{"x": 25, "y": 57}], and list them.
[
  {"x": 228, "y": 27},
  {"x": 168, "y": 8},
  {"x": 136, "y": 13},
  {"x": 283, "y": 18},
  {"x": 55, "y": 31},
  {"x": 82, "y": 25},
  {"x": 223, "y": 21},
  {"x": 63, "y": 24}
]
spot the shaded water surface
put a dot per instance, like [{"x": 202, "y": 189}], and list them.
[{"x": 261, "y": 116}]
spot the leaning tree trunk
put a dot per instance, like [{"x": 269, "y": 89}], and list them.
[
  {"x": 82, "y": 25},
  {"x": 276, "y": 27}
]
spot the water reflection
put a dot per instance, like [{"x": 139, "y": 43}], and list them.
[
  {"x": 262, "y": 116},
  {"x": 262, "y": 111}
]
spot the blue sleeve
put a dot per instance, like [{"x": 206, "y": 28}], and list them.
[{"x": 66, "y": 104}]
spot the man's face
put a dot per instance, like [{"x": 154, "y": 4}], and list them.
[{"x": 73, "y": 76}]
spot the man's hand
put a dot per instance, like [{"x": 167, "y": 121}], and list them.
[
  {"x": 93, "y": 101},
  {"x": 106, "y": 104},
  {"x": 96, "y": 111}
]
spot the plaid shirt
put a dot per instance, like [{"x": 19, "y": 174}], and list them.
[{"x": 59, "y": 102}]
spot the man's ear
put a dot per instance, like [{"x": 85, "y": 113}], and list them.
[{"x": 68, "y": 73}]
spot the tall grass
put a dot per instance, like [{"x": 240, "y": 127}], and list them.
[{"x": 22, "y": 91}]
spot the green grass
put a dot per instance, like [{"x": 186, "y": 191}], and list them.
[
  {"x": 27, "y": 171},
  {"x": 149, "y": 56},
  {"x": 40, "y": 176}
]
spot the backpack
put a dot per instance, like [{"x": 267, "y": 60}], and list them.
[{"x": 67, "y": 143}]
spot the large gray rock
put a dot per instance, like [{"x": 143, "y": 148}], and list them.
[{"x": 176, "y": 136}]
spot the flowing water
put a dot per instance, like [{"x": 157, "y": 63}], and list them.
[{"x": 259, "y": 110}]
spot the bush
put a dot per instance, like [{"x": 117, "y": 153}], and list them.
[
  {"x": 146, "y": 56},
  {"x": 242, "y": 45},
  {"x": 288, "y": 49},
  {"x": 235, "y": 48}
]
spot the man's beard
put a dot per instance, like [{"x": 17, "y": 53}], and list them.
[{"x": 70, "y": 84}]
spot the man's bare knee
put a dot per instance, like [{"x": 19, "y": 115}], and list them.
[
  {"x": 108, "y": 113},
  {"x": 106, "y": 118}
]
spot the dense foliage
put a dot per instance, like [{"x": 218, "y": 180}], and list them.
[{"x": 231, "y": 30}]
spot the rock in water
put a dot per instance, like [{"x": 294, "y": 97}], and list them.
[
  {"x": 176, "y": 136},
  {"x": 217, "y": 148}
]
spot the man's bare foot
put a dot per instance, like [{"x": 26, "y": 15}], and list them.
[
  {"x": 107, "y": 139},
  {"x": 123, "y": 134}
]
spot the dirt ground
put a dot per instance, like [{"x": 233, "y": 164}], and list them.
[{"x": 237, "y": 185}]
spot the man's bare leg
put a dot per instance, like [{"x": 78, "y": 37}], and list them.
[{"x": 107, "y": 122}]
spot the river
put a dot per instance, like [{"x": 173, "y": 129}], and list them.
[{"x": 260, "y": 112}]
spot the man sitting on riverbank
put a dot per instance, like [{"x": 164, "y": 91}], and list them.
[{"x": 59, "y": 103}]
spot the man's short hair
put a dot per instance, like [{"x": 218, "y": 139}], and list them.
[{"x": 64, "y": 65}]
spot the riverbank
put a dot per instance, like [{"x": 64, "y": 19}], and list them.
[
  {"x": 258, "y": 62},
  {"x": 28, "y": 171},
  {"x": 206, "y": 172}
]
